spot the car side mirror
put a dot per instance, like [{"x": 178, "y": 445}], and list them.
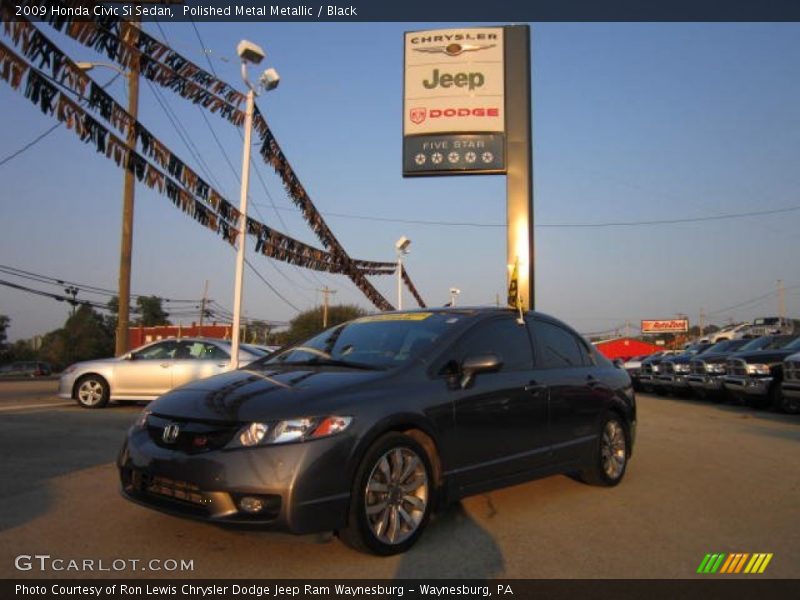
[
  {"x": 129, "y": 356},
  {"x": 478, "y": 363},
  {"x": 619, "y": 363}
]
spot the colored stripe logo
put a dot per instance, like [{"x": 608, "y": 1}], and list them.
[{"x": 736, "y": 562}]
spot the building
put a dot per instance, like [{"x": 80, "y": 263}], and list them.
[
  {"x": 625, "y": 348},
  {"x": 138, "y": 336}
]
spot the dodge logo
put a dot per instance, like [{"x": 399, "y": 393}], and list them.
[{"x": 418, "y": 115}]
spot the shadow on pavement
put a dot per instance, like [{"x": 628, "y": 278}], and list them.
[
  {"x": 454, "y": 546},
  {"x": 38, "y": 446}
]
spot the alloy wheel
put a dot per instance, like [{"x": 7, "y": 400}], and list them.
[
  {"x": 90, "y": 392},
  {"x": 396, "y": 495},
  {"x": 612, "y": 450}
]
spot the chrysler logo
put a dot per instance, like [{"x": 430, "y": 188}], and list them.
[
  {"x": 170, "y": 434},
  {"x": 455, "y": 49}
]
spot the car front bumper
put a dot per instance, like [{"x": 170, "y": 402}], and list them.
[
  {"x": 791, "y": 389},
  {"x": 708, "y": 383},
  {"x": 65, "y": 386},
  {"x": 303, "y": 486},
  {"x": 677, "y": 381},
  {"x": 750, "y": 386}
]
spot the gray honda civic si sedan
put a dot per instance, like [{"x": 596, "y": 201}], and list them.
[{"x": 367, "y": 428}]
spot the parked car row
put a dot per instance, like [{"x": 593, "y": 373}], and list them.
[
  {"x": 25, "y": 368},
  {"x": 763, "y": 372}
]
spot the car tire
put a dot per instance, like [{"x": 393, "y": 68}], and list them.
[
  {"x": 790, "y": 405},
  {"x": 392, "y": 496},
  {"x": 609, "y": 459},
  {"x": 91, "y": 391}
]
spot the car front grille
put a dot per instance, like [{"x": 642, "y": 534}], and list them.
[
  {"x": 171, "y": 488},
  {"x": 791, "y": 371},
  {"x": 193, "y": 437},
  {"x": 698, "y": 367},
  {"x": 737, "y": 367},
  {"x": 667, "y": 368}
]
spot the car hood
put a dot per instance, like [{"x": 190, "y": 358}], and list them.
[
  {"x": 716, "y": 357},
  {"x": 264, "y": 394},
  {"x": 764, "y": 356},
  {"x": 94, "y": 363}
]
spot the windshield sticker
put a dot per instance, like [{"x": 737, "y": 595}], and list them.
[{"x": 395, "y": 317}]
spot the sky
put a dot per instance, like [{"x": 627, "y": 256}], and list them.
[{"x": 631, "y": 122}]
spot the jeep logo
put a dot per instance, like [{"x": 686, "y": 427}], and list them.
[{"x": 446, "y": 80}]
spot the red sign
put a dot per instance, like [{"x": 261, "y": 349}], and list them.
[{"x": 665, "y": 326}]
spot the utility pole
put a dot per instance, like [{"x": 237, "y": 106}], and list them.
[
  {"x": 781, "y": 300},
  {"x": 326, "y": 292},
  {"x": 702, "y": 321},
  {"x": 203, "y": 308},
  {"x": 126, "y": 244}
]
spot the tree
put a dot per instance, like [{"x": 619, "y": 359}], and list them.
[
  {"x": 85, "y": 336},
  {"x": 309, "y": 323},
  {"x": 258, "y": 332},
  {"x": 151, "y": 311},
  {"x": 4, "y": 323}
]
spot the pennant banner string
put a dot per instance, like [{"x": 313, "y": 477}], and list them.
[
  {"x": 103, "y": 103},
  {"x": 126, "y": 44}
]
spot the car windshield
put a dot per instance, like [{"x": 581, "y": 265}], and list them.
[
  {"x": 725, "y": 346},
  {"x": 375, "y": 342},
  {"x": 793, "y": 345},
  {"x": 766, "y": 321}
]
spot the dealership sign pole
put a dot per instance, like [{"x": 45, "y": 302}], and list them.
[{"x": 467, "y": 111}]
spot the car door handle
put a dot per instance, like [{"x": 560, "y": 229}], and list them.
[
  {"x": 535, "y": 387},
  {"x": 225, "y": 364},
  {"x": 592, "y": 381},
  {"x": 164, "y": 365}
]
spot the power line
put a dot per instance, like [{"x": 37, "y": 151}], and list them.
[
  {"x": 557, "y": 225},
  {"x": 31, "y": 276},
  {"x": 44, "y": 134}
]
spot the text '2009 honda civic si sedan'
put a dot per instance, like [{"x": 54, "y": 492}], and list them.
[{"x": 369, "y": 426}]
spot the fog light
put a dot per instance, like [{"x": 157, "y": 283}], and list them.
[{"x": 251, "y": 504}]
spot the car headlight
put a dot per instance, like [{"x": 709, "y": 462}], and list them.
[
  {"x": 682, "y": 368},
  {"x": 758, "y": 369},
  {"x": 656, "y": 368},
  {"x": 141, "y": 420},
  {"x": 715, "y": 367},
  {"x": 290, "y": 430}
]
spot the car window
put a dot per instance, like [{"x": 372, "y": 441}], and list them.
[
  {"x": 157, "y": 351},
  {"x": 559, "y": 347},
  {"x": 380, "y": 341},
  {"x": 503, "y": 337},
  {"x": 195, "y": 350}
]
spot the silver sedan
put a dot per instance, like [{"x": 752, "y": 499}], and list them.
[{"x": 149, "y": 371}]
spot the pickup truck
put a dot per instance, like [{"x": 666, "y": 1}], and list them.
[
  {"x": 673, "y": 370},
  {"x": 790, "y": 388},
  {"x": 648, "y": 370},
  {"x": 755, "y": 377},
  {"x": 707, "y": 371}
]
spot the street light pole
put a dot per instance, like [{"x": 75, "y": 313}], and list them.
[
  {"x": 249, "y": 53},
  {"x": 237, "y": 293}
]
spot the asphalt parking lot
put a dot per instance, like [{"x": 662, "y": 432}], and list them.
[{"x": 704, "y": 478}]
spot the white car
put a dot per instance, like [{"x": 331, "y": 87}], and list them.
[{"x": 149, "y": 371}]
